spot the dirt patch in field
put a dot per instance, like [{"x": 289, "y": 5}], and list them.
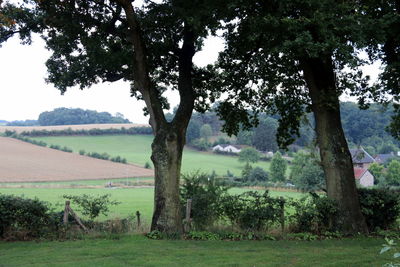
[
  {"x": 20, "y": 129},
  {"x": 24, "y": 162}
]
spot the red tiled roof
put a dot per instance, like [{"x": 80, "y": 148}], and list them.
[{"x": 359, "y": 172}]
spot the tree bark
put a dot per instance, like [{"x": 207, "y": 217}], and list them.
[
  {"x": 167, "y": 150},
  {"x": 335, "y": 155},
  {"x": 168, "y": 146},
  {"x": 169, "y": 137}
]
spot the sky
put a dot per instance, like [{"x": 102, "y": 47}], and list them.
[{"x": 24, "y": 94}]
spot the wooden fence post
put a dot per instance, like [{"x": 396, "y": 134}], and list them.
[
  {"x": 188, "y": 220},
  {"x": 66, "y": 212},
  {"x": 138, "y": 219},
  {"x": 282, "y": 205}
]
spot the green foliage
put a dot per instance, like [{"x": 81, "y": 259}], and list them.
[
  {"x": 248, "y": 155},
  {"x": 264, "y": 135},
  {"x": 25, "y": 218},
  {"x": 393, "y": 173},
  {"x": 92, "y": 206},
  {"x": 233, "y": 236},
  {"x": 390, "y": 245},
  {"x": 201, "y": 144},
  {"x": 205, "y": 131},
  {"x": 193, "y": 131},
  {"x": 380, "y": 207},
  {"x": 306, "y": 173},
  {"x": 253, "y": 211},
  {"x": 246, "y": 171},
  {"x": 147, "y": 165},
  {"x": 256, "y": 174},
  {"x": 91, "y": 132},
  {"x": 377, "y": 170},
  {"x": 196, "y": 235},
  {"x": 71, "y": 116},
  {"x": 278, "y": 168},
  {"x": 82, "y": 152},
  {"x": 206, "y": 197},
  {"x": 314, "y": 214},
  {"x": 245, "y": 137}
]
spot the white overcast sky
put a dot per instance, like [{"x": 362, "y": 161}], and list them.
[{"x": 24, "y": 93}]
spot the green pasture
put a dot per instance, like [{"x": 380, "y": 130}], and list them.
[
  {"x": 132, "y": 199},
  {"x": 137, "y": 250},
  {"x": 137, "y": 149}
]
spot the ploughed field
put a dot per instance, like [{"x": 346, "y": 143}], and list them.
[{"x": 24, "y": 162}]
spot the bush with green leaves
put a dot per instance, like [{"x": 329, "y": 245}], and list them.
[
  {"x": 253, "y": 211},
  {"x": 92, "y": 206},
  {"x": 257, "y": 174},
  {"x": 390, "y": 245},
  {"x": 23, "y": 218},
  {"x": 380, "y": 207},
  {"x": 206, "y": 196},
  {"x": 315, "y": 214},
  {"x": 200, "y": 144},
  {"x": 249, "y": 154}
]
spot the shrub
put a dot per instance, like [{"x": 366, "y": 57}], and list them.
[
  {"x": 206, "y": 198},
  {"x": 92, "y": 206},
  {"x": 314, "y": 214},
  {"x": 147, "y": 165},
  {"x": 257, "y": 174},
  {"x": 201, "y": 144},
  {"x": 380, "y": 207},
  {"x": 252, "y": 211},
  {"x": 55, "y": 147},
  {"x": 66, "y": 149},
  {"x": 82, "y": 152},
  {"x": 23, "y": 218}
]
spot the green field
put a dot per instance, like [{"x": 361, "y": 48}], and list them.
[
  {"x": 132, "y": 199},
  {"x": 137, "y": 149},
  {"x": 136, "y": 250}
]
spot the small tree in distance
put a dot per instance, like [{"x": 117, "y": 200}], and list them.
[
  {"x": 205, "y": 132},
  {"x": 278, "y": 168},
  {"x": 248, "y": 155}
]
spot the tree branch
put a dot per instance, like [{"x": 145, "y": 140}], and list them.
[
  {"x": 142, "y": 80},
  {"x": 185, "y": 85}
]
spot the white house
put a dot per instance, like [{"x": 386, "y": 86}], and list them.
[
  {"x": 364, "y": 177},
  {"x": 226, "y": 148}
]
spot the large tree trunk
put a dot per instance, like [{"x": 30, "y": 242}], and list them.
[
  {"x": 167, "y": 157},
  {"x": 334, "y": 151}
]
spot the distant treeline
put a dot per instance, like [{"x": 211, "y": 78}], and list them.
[
  {"x": 71, "y": 116},
  {"x": 95, "y": 131}
]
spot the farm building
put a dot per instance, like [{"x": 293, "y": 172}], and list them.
[
  {"x": 383, "y": 158},
  {"x": 226, "y": 148},
  {"x": 361, "y": 158},
  {"x": 363, "y": 177}
]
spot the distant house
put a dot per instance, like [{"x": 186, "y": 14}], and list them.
[
  {"x": 269, "y": 154},
  {"x": 383, "y": 158},
  {"x": 363, "y": 177},
  {"x": 226, "y": 148},
  {"x": 361, "y": 158}
]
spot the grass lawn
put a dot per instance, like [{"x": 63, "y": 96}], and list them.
[
  {"x": 136, "y": 250},
  {"x": 137, "y": 149}
]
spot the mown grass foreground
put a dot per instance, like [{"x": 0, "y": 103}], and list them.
[{"x": 137, "y": 250}]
